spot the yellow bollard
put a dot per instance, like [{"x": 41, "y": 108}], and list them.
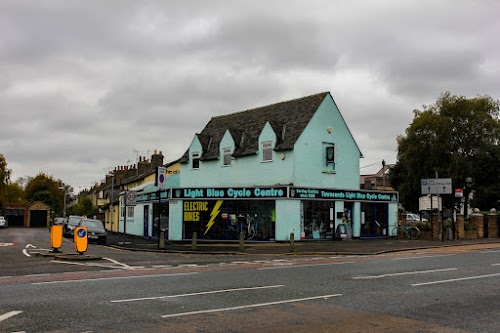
[
  {"x": 56, "y": 237},
  {"x": 80, "y": 238}
]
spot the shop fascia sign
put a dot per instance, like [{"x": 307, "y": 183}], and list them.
[
  {"x": 330, "y": 194},
  {"x": 231, "y": 193},
  {"x": 153, "y": 196}
]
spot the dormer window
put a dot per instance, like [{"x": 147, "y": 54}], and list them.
[
  {"x": 267, "y": 151},
  {"x": 226, "y": 154},
  {"x": 195, "y": 160}
]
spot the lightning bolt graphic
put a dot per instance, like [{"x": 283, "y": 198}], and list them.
[{"x": 213, "y": 215}]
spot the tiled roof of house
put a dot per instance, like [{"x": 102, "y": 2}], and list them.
[{"x": 288, "y": 120}]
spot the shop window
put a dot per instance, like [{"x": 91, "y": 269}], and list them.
[
  {"x": 195, "y": 160},
  {"x": 226, "y": 153},
  {"x": 267, "y": 151}
]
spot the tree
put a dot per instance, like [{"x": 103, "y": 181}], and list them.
[
  {"x": 46, "y": 189},
  {"x": 85, "y": 207},
  {"x": 4, "y": 179},
  {"x": 455, "y": 138}
]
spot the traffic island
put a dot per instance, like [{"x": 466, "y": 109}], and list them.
[{"x": 76, "y": 257}]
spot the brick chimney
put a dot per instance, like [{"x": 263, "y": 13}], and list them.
[{"x": 156, "y": 159}]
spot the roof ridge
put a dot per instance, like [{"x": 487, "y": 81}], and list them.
[{"x": 272, "y": 105}]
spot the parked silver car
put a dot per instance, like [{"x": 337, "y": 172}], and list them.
[
  {"x": 71, "y": 222},
  {"x": 3, "y": 222}
]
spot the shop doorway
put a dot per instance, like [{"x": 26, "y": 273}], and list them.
[
  {"x": 374, "y": 220},
  {"x": 160, "y": 216},
  {"x": 146, "y": 220}
]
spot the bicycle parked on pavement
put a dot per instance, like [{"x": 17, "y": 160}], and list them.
[{"x": 408, "y": 231}]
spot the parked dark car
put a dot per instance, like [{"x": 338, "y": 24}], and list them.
[{"x": 95, "y": 230}]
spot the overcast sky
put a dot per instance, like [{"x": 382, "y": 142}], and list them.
[{"x": 89, "y": 85}]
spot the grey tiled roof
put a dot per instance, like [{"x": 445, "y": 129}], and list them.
[{"x": 288, "y": 120}]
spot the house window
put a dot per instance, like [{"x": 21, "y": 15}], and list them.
[
  {"x": 195, "y": 159},
  {"x": 267, "y": 151},
  {"x": 330, "y": 154},
  {"x": 226, "y": 152},
  {"x": 130, "y": 211}
]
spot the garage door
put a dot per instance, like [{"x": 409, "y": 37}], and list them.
[{"x": 38, "y": 218}]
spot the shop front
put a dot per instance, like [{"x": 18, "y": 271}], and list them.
[
  {"x": 223, "y": 213},
  {"x": 362, "y": 213},
  {"x": 278, "y": 213},
  {"x": 154, "y": 207}
]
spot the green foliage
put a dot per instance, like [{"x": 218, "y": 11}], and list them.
[
  {"x": 4, "y": 179},
  {"x": 46, "y": 189},
  {"x": 423, "y": 226},
  {"x": 14, "y": 193},
  {"x": 85, "y": 207},
  {"x": 456, "y": 137}
]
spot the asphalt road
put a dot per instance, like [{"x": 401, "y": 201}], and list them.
[{"x": 440, "y": 290}]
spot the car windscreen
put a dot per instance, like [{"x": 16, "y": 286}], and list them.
[{"x": 95, "y": 224}]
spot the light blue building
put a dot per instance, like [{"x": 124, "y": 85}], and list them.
[{"x": 287, "y": 168}]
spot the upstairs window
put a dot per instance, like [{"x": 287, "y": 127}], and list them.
[
  {"x": 267, "y": 151},
  {"x": 330, "y": 154},
  {"x": 195, "y": 160},
  {"x": 226, "y": 153}
]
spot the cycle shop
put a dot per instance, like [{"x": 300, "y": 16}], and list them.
[{"x": 268, "y": 214}]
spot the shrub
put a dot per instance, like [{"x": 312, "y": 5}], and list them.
[{"x": 423, "y": 226}]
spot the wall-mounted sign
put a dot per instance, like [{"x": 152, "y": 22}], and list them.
[
  {"x": 130, "y": 198},
  {"x": 346, "y": 195},
  {"x": 230, "y": 193}
]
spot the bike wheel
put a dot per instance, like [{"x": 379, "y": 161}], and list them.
[
  {"x": 395, "y": 232},
  {"x": 414, "y": 233}
]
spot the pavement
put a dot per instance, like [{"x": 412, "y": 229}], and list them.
[{"x": 303, "y": 247}]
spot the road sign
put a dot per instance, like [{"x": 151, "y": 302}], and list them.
[
  {"x": 161, "y": 179},
  {"x": 436, "y": 186},
  {"x": 424, "y": 203},
  {"x": 459, "y": 193},
  {"x": 80, "y": 239},
  {"x": 130, "y": 198}
]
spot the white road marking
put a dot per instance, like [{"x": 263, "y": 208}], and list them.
[
  {"x": 248, "y": 306},
  {"x": 30, "y": 245},
  {"x": 301, "y": 266},
  {"x": 6, "y": 244},
  {"x": 491, "y": 251},
  {"x": 402, "y": 273},
  {"x": 495, "y": 264},
  {"x": 7, "y": 315},
  {"x": 119, "y": 269},
  {"x": 5, "y": 277},
  {"x": 125, "y": 266},
  {"x": 421, "y": 257},
  {"x": 25, "y": 252},
  {"x": 113, "y": 278},
  {"x": 455, "y": 280},
  {"x": 196, "y": 294}
]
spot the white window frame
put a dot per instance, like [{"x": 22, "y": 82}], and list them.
[
  {"x": 267, "y": 151},
  {"x": 227, "y": 156},
  {"x": 130, "y": 211}
]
